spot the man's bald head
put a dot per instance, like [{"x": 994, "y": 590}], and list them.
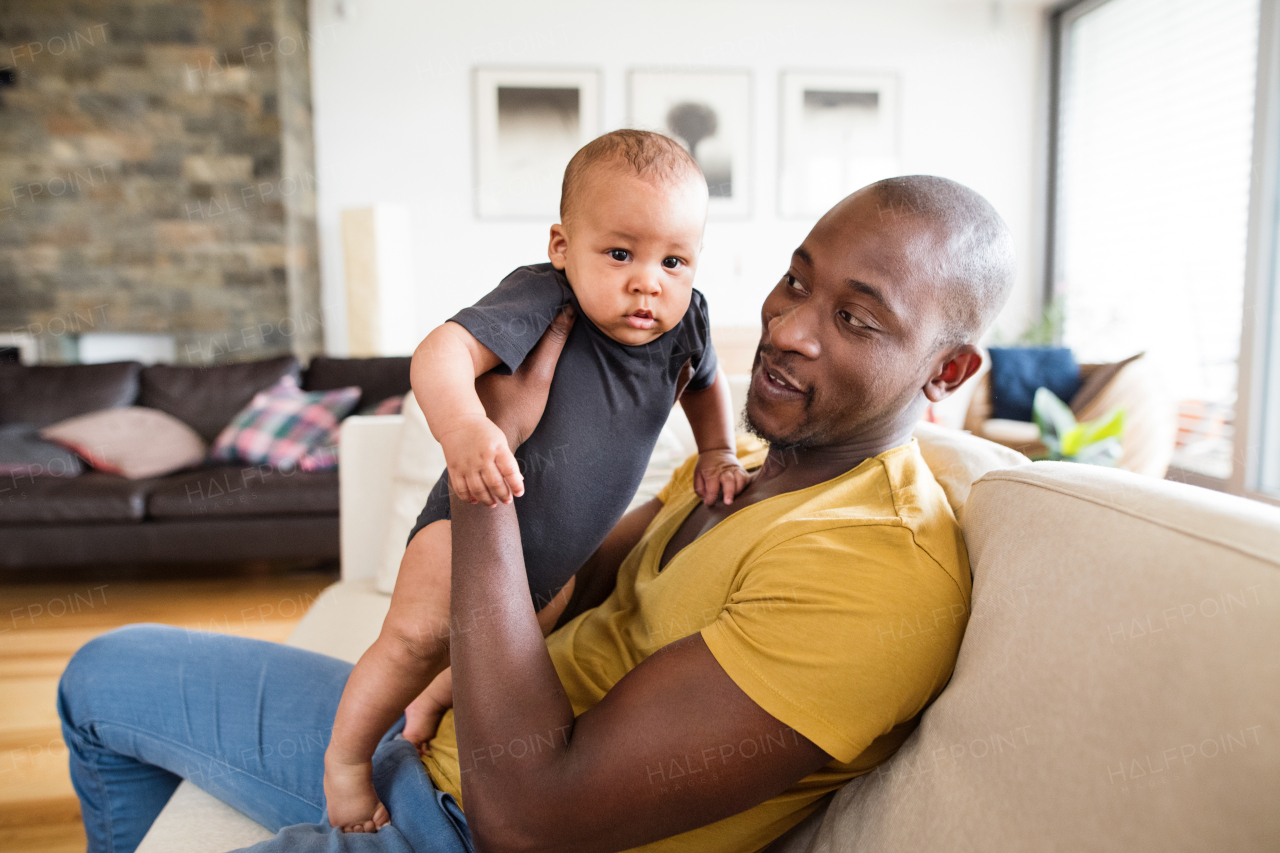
[{"x": 977, "y": 260}]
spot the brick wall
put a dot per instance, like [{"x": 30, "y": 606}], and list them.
[{"x": 157, "y": 175}]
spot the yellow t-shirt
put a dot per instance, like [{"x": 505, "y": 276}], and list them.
[{"x": 838, "y": 609}]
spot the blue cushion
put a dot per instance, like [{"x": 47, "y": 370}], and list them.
[
  {"x": 1016, "y": 373},
  {"x": 24, "y": 454}
]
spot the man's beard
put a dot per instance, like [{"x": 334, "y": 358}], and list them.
[
  {"x": 799, "y": 439},
  {"x": 790, "y": 443}
]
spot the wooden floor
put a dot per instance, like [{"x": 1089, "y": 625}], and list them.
[{"x": 41, "y": 626}]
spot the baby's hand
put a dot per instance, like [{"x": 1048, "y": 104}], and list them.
[
  {"x": 719, "y": 470},
  {"x": 482, "y": 468},
  {"x": 422, "y": 717},
  {"x": 353, "y": 803}
]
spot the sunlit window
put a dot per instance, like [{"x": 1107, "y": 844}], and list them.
[{"x": 1156, "y": 105}]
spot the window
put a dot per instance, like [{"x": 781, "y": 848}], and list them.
[
  {"x": 1151, "y": 203},
  {"x": 1260, "y": 351}
]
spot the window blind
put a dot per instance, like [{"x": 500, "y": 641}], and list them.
[{"x": 1155, "y": 144}]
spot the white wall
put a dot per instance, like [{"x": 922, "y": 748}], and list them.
[{"x": 392, "y": 96}]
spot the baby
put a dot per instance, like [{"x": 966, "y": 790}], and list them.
[{"x": 632, "y": 209}]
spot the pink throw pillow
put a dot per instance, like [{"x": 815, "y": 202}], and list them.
[{"x": 134, "y": 441}]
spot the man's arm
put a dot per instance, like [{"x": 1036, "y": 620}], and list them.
[{"x": 594, "y": 783}]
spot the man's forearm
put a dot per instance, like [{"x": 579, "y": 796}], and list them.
[
  {"x": 505, "y": 687},
  {"x": 710, "y": 413}
]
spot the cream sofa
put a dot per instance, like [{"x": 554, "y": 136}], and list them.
[{"x": 1118, "y": 687}]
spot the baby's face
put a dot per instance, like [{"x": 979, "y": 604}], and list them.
[{"x": 630, "y": 252}]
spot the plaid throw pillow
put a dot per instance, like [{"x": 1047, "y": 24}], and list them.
[{"x": 287, "y": 427}]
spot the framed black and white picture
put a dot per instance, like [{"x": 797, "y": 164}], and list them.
[
  {"x": 528, "y": 124},
  {"x": 839, "y": 133},
  {"x": 709, "y": 112}
]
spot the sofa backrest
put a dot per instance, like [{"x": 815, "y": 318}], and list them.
[
  {"x": 46, "y": 394},
  {"x": 1118, "y": 687},
  {"x": 207, "y": 398},
  {"x": 378, "y": 378}
]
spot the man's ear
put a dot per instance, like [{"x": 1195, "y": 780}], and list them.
[
  {"x": 961, "y": 363},
  {"x": 558, "y": 248}
]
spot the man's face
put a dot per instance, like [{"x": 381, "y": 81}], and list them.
[
  {"x": 630, "y": 252},
  {"x": 848, "y": 338}
]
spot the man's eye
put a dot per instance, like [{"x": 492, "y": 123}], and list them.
[
  {"x": 671, "y": 263},
  {"x": 620, "y": 255},
  {"x": 790, "y": 281},
  {"x": 852, "y": 320}
]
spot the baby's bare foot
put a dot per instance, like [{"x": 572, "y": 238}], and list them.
[{"x": 353, "y": 803}]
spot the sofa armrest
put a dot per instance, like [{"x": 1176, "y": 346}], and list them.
[{"x": 369, "y": 448}]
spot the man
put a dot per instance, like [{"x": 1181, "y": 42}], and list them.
[{"x": 728, "y": 666}]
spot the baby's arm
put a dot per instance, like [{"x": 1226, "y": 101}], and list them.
[
  {"x": 710, "y": 413},
  {"x": 481, "y": 466}
]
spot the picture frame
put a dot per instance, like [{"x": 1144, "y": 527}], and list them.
[
  {"x": 839, "y": 132},
  {"x": 529, "y": 122},
  {"x": 709, "y": 111}
]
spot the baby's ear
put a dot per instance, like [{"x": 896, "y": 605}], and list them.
[{"x": 558, "y": 247}]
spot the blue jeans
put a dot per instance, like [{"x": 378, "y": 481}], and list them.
[{"x": 146, "y": 706}]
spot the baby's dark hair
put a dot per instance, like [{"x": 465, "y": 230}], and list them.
[{"x": 651, "y": 156}]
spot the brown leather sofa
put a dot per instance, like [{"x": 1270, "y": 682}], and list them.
[{"x": 210, "y": 514}]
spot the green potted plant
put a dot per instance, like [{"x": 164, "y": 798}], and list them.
[{"x": 1096, "y": 442}]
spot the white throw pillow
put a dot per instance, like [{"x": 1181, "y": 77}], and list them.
[
  {"x": 959, "y": 459},
  {"x": 419, "y": 463},
  {"x": 133, "y": 441}
]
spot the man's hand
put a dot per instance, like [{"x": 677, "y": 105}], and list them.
[
  {"x": 516, "y": 402},
  {"x": 719, "y": 470},
  {"x": 482, "y": 468}
]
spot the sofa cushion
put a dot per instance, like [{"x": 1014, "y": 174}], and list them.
[
  {"x": 378, "y": 378},
  {"x": 192, "y": 821},
  {"x": 1150, "y": 414},
  {"x": 133, "y": 441},
  {"x": 958, "y": 460},
  {"x": 287, "y": 427},
  {"x": 1117, "y": 687},
  {"x": 24, "y": 454},
  {"x": 1016, "y": 373},
  {"x": 244, "y": 490},
  {"x": 46, "y": 394},
  {"x": 207, "y": 398},
  {"x": 419, "y": 464},
  {"x": 90, "y": 497}
]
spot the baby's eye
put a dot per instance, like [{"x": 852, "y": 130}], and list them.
[
  {"x": 671, "y": 263},
  {"x": 620, "y": 255}
]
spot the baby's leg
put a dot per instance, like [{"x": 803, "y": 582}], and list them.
[
  {"x": 411, "y": 650},
  {"x": 422, "y": 717}
]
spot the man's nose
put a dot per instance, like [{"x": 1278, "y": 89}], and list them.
[{"x": 792, "y": 331}]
